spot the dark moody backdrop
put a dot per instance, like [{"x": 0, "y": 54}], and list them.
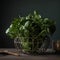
[{"x": 13, "y": 8}]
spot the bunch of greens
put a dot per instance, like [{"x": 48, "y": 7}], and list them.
[{"x": 31, "y": 29}]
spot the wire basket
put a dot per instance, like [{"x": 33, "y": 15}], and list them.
[{"x": 31, "y": 45}]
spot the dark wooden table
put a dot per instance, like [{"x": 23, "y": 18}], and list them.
[{"x": 12, "y": 55}]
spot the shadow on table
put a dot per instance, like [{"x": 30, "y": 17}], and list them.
[{"x": 3, "y": 54}]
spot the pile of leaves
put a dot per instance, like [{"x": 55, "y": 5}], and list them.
[{"x": 31, "y": 30}]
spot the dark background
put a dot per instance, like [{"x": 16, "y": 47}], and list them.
[{"x": 13, "y": 8}]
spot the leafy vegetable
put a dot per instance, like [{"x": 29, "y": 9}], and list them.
[{"x": 31, "y": 30}]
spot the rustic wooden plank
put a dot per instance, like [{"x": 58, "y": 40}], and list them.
[{"x": 9, "y": 52}]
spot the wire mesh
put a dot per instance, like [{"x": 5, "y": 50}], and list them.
[{"x": 31, "y": 45}]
